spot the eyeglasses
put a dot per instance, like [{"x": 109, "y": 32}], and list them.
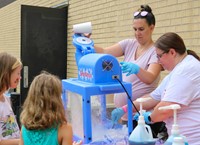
[
  {"x": 159, "y": 56},
  {"x": 142, "y": 13}
]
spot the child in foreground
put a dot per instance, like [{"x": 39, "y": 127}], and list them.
[{"x": 43, "y": 116}]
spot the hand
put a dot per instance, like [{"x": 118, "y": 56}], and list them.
[
  {"x": 146, "y": 117},
  {"x": 117, "y": 114},
  {"x": 78, "y": 143},
  {"x": 129, "y": 68},
  {"x": 88, "y": 35}
]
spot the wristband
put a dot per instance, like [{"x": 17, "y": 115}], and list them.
[
  {"x": 124, "y": 108},
  {"x": 149, "y": 118}
]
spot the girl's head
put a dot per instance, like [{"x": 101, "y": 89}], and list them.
[
  {"x": 10, "y": 71},
  {"x": 43, "y": 106},
  {"x": 170, "y": 47},
  {"x": 143, "y": 24}
]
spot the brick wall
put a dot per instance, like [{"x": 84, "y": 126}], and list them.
[
  {"x": 10, "y": 23},
  {"x": 112, "y": 22}
]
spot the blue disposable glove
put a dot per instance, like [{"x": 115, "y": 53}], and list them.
[
  {"x": 146, "y": 117},
  {"x": 116, "y": 114},
  {"x": 129, "y": 68}
]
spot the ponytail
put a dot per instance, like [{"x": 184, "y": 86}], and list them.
[{"x": 191, "y": 52}]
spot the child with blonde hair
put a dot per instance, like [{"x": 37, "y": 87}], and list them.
[
  {"x": 43, "y": 116},
  {"x": 10, "y": 75}
]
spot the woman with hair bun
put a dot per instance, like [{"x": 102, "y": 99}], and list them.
[{"x": 140, "y": 65}]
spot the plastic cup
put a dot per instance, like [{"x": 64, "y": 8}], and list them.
[{"x": 83, "y": 28}]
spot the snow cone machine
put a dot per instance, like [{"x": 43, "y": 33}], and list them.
[{"x": 98, "y": 74}]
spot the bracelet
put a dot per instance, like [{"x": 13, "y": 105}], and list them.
[
  {"x": 149, "y": 118},
  {"x": 124, "y": 108}
]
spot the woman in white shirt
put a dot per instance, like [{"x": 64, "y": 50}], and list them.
[{"x": 181, "y": 86}]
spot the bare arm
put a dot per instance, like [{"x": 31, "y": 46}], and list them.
[
  {"x": 114, "y": 50},
  {"x": 21, "y": 142},
  {"x": 157, "y": 115},
  {"x": 65, "y": 134},
  {"x": 148, "y": 105},
  {"x": 146, "y": 76},
  {"x": 149, "y": 75},
  {"x": 160, "y": 115},
  {"x": 9, "y": 142}
]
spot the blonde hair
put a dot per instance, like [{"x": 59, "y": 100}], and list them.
[
  {"x": 43, "y": 106},
  {"x": 8, "y": 63}
]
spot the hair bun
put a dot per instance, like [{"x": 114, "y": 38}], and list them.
[{"x": 146, "y": 8}]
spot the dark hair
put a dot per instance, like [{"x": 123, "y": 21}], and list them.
[
  {"x": 191, "y": 52},
  {"x": 173, "y": 40},
  {"x": 150, "y": 18}
]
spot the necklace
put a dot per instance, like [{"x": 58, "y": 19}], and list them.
[
  {"x": 141, "y": 49},
  {"x": 139, "y": 52}
]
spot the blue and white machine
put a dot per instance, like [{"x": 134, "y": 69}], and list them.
[
  {"x": 97, "y": 75},
  {"x": 83, "y": 46},
  {"x": 94, "y": 68}
]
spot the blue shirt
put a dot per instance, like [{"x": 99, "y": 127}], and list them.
[{"x": 40, "y": 137}]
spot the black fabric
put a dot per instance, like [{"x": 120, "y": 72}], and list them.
[
  {"x": 16, "y": 105},
  {"x": 157, "y": 128}
]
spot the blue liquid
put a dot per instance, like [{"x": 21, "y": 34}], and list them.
[
  {"x": 170, "y": 143},
  {"x": 170, "y": 140},
  {"x": 142, "y": 143}
]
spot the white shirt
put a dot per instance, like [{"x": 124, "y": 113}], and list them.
[
  {"x": 9, "y": 128},
  {"x": 182, "y": 86}
]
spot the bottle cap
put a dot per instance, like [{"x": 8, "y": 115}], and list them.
[{"x": 178, "y": 141}]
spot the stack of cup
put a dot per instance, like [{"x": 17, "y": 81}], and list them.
[{"x": 83, "y": 28}]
